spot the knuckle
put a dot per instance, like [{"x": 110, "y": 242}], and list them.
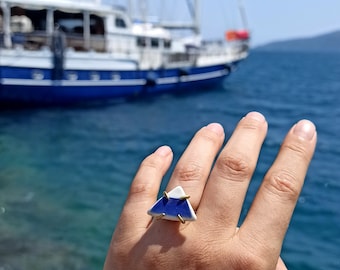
[
  {"x": 189, "y": 172},
  {"x": 151, "y": 165},
  {"x": 149, "y": 169},
  {"x": 152, "y": 260},
  {"x": 140, "y": 188},
  {"x": 209, "y": 136},
  {"x": 251, "y": 125},
  {"x": 297, "y": 149},
  {"x": 118, "y": 252},
  {"x": 251, "y": 257},
  {"x": 150, "y": 162},
  {"x": 235, "y": 167},
  {"x": 251, "y": 261},
  {"x": 200, "y": 256},
  {"x": 284, "y": 184}
]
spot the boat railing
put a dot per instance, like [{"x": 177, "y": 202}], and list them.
[
  {"x": 126, "y": 46},
  {"x": 30, "y": 41},
  {"x": 40, "y": 39},
  {"x": 218, "y": 46},
  {"x": 94, "y": 43}
]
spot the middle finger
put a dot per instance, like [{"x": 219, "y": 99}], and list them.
[{"x": 225, "y": 191}]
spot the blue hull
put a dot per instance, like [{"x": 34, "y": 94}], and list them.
[{"x": 23, "y": 86}]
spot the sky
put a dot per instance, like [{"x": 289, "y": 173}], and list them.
[
  {"x": 286, "y": 19},
  {"x": 267, "y": 20}
]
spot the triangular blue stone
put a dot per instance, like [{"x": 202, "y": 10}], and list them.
[{"x": 173, "y": 206}]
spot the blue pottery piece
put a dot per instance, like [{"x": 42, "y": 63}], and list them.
[{"x": 173, "y": 206}]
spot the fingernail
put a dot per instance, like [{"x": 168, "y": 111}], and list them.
[
  {"x": 163, "y": 151},
  {"x": 305, "y": 129},
  {"x": 216, "y": 127},
  {"x": 256, "y": 116}
]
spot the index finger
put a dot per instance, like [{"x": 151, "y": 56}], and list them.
[{"x": 268, "y": 219}]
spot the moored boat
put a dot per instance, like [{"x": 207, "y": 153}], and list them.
[{"x": 66, "y": 51}]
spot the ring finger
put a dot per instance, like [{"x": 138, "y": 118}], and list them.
[{"x": 193, "y": 168}]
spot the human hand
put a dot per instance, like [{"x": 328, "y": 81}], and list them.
[{"x": 216, "y": 194}]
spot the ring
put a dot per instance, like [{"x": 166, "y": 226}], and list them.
[{"x": 173, "y": 205}]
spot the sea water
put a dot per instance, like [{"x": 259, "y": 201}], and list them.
[{"x": 65, "y": 172}]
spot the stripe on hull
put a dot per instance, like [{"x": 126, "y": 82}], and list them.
[{"x": 126, "y": 84}]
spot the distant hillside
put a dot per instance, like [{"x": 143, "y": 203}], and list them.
[{"x": 329, "y": 42}]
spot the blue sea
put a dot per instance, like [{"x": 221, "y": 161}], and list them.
[{"x": 65, "y": 172}]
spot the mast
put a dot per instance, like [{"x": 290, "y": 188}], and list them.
[
  {"x": 140, "y": 7},
  {"x": 194, "y": 12},
  {"x": 196, "y": 18},
  {"x": 243, "y": 14},
  {"x": 143, "y": 9},
  {"x": 193, "y": 8},
  {"x": 130, "y": 9}
]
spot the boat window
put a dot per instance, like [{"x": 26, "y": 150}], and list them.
[
  {"x": 120, "y": 22},
  {"x": 167, "y": 43},
  {"x": 20, "y": 22},
  {"x": 2, "y": 38},
  {"x": 28, "y": 27},
  {"x": 1, "y": 21},
  {"x": 154, "y": 43},
  {"x": 96, "y": 25},
  {"x": 69, "y": 22},
  {"x": 141, "y": 42},
  {"x": 38, "y": 18},
  {"x": 25, "y": 20}
]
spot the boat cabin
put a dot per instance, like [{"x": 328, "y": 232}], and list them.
[
  {"x": 84, "y": 28},
  {"x": 32, "y": 27}
]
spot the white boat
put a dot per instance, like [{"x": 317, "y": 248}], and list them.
[{"x": 67, "y": 51}]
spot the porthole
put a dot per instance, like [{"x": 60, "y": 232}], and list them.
[
  {"x": 115, "y": 76},
  {"x": 72, "y": 76},
  {"x": 37, "y": 75},
  {"x": 94, "y": 76}
]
